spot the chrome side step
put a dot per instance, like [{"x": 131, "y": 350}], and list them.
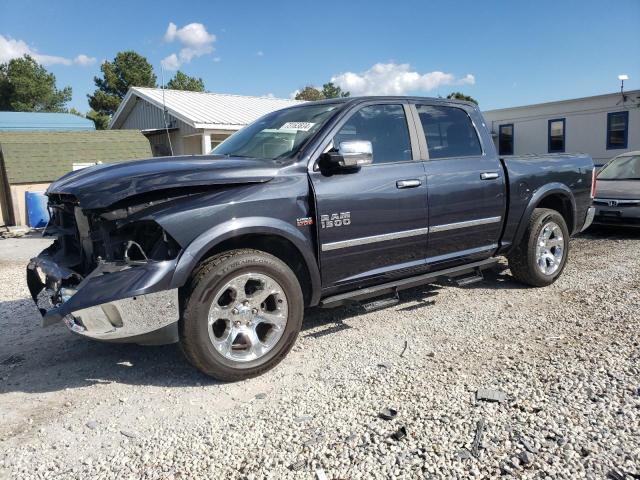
[
  {"x": 470, "y": 279},
  {"x": 405, "y": 283},
  {"x": 380, "y": 303}
]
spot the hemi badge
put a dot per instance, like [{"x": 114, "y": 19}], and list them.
[{"x": 303, "y": 222}]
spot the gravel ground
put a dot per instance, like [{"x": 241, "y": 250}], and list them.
[{"x": 565, "y": 357}]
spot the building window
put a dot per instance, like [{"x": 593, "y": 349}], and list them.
[
  {"x": 505, "y": 139},
  {"x": 556, "y": 135},
  {"x": 617, "y": 130}
]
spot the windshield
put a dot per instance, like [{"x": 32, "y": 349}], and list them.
[
  {"x": 278, "y": 134},
  {"x": 622, "y": 168}
]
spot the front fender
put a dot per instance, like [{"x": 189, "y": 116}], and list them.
[
  {"x": 554, "y": 188},
  {"x": 198, "y": 248}
]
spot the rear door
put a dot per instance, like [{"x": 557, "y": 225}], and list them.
[
  {"x": 372, "y": 223},
  {"x": 465, "y": 184}
]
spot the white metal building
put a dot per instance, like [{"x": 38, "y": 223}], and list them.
[
  {"x": 196, "y": 121},
  {"x": 602, "y": 126}
]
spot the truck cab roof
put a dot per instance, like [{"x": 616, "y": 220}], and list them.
[{"x": 369, "y": 98}]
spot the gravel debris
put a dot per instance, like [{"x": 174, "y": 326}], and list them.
[
  {"x": 488, "y": 395},
  {"x": 388, "y": 413},
  {"x": 566, "y": 356},
  {"x": 399, "y": 434}
]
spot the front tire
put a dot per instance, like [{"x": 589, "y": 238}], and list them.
[
  {"x": 242, "y": 313},
  {"x": 540, "y": 257}
]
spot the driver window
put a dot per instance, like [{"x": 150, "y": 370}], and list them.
[{"x": 385, "y": 126}]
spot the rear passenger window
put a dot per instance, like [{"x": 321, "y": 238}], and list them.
[
  {"x": 448, "y": 131},
  {"x": 385, "y": 126}
]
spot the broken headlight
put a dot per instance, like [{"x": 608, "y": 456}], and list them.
[{"x": 139, "y": 241}]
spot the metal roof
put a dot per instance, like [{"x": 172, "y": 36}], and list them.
[
  {"x": 33, "y": 157},
  {"x": 29, "y": 121},
  {"x": 630, "y": 93},
  {"x": 202, "y": 109}
]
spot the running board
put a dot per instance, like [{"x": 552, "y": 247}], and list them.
[
  {"x": 380, "y": 303},
  {"x": 470, "y": 279},
  {"x": 405, "y": 283}
]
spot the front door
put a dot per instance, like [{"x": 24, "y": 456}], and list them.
[
  {"x": 465, "y": 187},
  {"x": 372, "y": 223}
]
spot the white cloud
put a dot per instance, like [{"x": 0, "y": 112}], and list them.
[
  {"x": 195, "y": 42},
  {"x": 217, "y": 59},
  {"x": 260, "y": 53},
  {"x": 293, "y": 94},
  {"x": 171, "y": 62},
  {"x": 395, "y": 79},
  {"x": 269, "y": 95},
  {"x": 84, "y": 60},
  {"x": 12, "y": 48}
]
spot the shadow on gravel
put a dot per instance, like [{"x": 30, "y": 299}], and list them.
[
  {"x": 333, "y": 319},
  {"x": 35, "y": 359},
  {"x": 603, "y": 232}
]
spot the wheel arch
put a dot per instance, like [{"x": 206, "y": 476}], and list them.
[
  {"x": 260, "y": 233},
  {"x": 555, "y": 196}
]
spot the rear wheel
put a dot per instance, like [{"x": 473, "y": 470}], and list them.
[
  {"x": 242, "y": 313},
  {"x": 541, "y": 256}
]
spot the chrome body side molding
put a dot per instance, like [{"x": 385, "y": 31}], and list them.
[
  {"x": 468, "y": 223},
  {"x": 373, "y": 239}
]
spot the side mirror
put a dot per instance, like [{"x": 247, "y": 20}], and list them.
[{"x": 350, "y": 155}]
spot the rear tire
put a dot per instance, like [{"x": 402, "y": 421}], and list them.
[
  {"x": 242, "y": 313},
  {"x": 540, "y": 257}
]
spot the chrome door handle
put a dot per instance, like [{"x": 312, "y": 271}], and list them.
[
  {"x": 489, "y": 176},
  {"x": 408, "y": 183}
]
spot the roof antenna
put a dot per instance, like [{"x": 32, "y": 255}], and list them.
[{"x": 164, "y": 111}]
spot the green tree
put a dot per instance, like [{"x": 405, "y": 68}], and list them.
[
  {"x": 128, "y": 69},
  {"x": 461, "y": 96},
  {"x": 100, "y": 120},
  {"x": 26, "y": 86},
  {"x": 330, "y": 90},
  {"x": 182, "y": 81},
  {"x": 309, "y": 93},
  {"x": 74, "y": 111}
]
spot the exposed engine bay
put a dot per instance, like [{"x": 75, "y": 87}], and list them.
[{"x": 86, "y": 239}]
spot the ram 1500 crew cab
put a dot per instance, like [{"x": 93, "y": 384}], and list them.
[{"x": 319, "y": 204}]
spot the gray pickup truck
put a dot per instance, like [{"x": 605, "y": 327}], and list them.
[{"x": 324, "y": 203}]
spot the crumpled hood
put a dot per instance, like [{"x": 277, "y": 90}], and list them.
[
  {"x": 618, "y": 189},
  {"x": 102, "y": 185}
]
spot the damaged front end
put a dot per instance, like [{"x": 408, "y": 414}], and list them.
[{"x": 108, "y": 273}]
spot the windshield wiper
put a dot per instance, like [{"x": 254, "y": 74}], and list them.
[{"x": 229, "y": 155}]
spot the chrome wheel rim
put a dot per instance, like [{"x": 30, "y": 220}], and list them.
[
  {"x": 247, "y": 317},
  {"x": 550, "y": 248}
]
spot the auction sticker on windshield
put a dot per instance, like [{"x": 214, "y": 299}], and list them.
[{"x": 302, "y": 126}]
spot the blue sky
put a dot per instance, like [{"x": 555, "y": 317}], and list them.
[{"x": 503, "y": 53}]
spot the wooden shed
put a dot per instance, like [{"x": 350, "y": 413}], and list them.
[{"x": 29, "y": 161}]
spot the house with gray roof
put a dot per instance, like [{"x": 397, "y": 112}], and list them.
[
  {"x": 30, "y": 160},
  {"x": 184, "y": 123}
]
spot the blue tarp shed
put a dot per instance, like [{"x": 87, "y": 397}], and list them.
[{"x": 36, "y": 121}]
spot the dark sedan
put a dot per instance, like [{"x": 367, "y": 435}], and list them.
[{"x": 617, "y": 199}]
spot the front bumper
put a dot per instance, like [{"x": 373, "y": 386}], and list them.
[
  {"x": 621, "y": 216},
  {"x": 126, "y": 303}
]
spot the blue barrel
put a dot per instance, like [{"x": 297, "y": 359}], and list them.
[{"x": 37, "y": 213}]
